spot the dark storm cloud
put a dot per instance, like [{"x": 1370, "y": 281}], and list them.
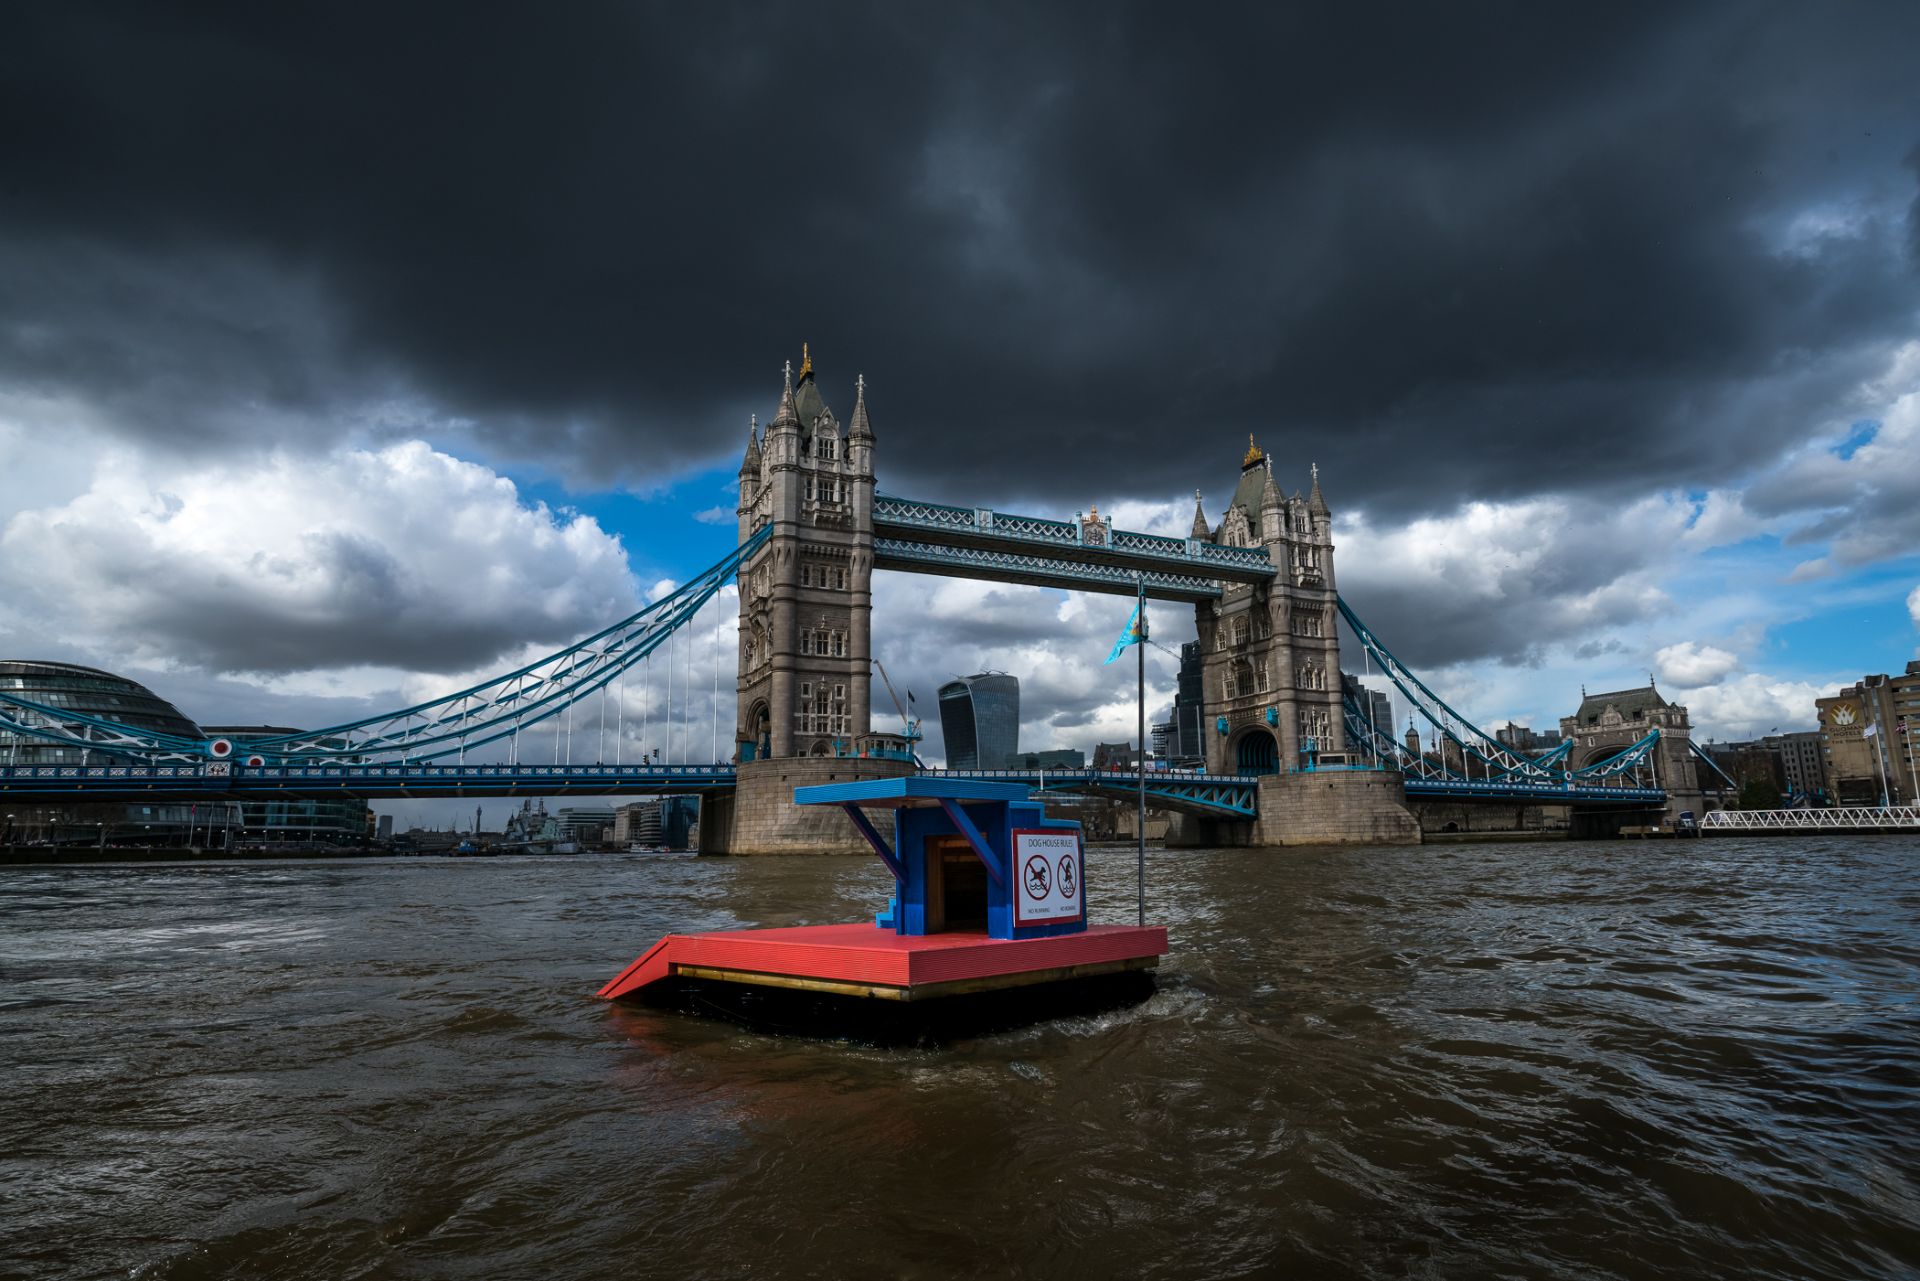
[{"x": 1446, "y": 252}]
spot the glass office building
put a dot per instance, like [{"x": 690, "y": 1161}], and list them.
[
  {"x": 1188, "y": 742},
  {"x": 87, "y": 690},
  {"x": 980, "y": 720},
  {"x": 92, "y": 692}
]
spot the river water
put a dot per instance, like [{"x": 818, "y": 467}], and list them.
[{"x": 1538, "y": 1060}]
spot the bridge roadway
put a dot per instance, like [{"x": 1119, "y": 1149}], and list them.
[{"x": 1220, "y": 796}]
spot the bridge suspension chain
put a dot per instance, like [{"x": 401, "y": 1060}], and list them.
[
  {"x": 1500, "y": 762},
  {"x": 492, "y": 711}
]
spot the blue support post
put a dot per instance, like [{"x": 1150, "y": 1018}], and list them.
[{"x": 879, "y": 844}]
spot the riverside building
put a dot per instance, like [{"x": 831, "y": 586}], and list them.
[
  {"x": 1866, "y": 732},
  {"x": 92, "y": 692}
]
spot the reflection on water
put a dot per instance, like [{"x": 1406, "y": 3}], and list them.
[{"x": 1557, "y": 1060}]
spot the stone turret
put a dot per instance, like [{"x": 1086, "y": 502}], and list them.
[
  {"x": 806, "y": 597},
  {"x": 1272, "y": 521},
  {"x": 861, "y": 429},
  {"x": 751, "y": 468},
  {"x": 1272, "y": 657},
  {"x": 1201, "y": 530}
]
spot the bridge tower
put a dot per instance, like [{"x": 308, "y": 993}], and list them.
[
  {"x": 1609, "y": 723},
  {"x": 1271, "y": 653},
  {"x": 806, "y": 597}
]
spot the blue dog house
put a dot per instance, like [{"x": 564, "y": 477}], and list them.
[{"x": 968, "y": 857}]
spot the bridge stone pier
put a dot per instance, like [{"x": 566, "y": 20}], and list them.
[
  {"x": 1322, "y": 807},
  {"x": 759, "y": 817}
]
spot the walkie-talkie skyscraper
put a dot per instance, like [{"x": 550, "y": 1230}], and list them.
[{"x": 980, "y": 720}]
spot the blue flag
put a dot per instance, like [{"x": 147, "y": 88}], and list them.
[{"x": 1135, "y": 633}]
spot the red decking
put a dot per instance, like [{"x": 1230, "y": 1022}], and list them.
[{"x": 895, "y": 965}]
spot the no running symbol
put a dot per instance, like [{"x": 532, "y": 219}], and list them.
[{"x": 1038, "y": 877}]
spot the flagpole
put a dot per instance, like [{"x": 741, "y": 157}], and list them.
[
  {"x": 1911, "y": 773},
  {"x": 1879, "y": 758},
  {"x": 1140, "y": 867}
]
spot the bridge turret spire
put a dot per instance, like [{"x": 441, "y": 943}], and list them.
[
  {"x": 788, "y": 415},
  {"x": 860, "y": 428},
  {"x": 1315, "y": 503},
  {"x": 751, "y": 459},
  {"x": 1201, "y": 530},
  {"x": 1272, "y": 524}
]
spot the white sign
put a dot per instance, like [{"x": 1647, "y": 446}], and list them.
[{"x": 1047, "y": 884}]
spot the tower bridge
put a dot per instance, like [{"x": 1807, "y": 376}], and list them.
[{"x": 1288, "y": 758}]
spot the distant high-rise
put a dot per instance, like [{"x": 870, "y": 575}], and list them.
[
  {"x": 1189, "y": 742},
  {"x": 1373, "y": 704},
  {"x": 980, "y": 720}
]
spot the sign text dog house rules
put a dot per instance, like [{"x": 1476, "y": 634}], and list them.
[{"x": 1046, "y": 877}]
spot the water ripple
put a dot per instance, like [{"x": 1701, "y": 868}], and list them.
[{"x": 1586, "y": 1061}]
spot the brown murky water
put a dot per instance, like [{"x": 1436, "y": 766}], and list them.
[{"x": 1561, "y": 1060}]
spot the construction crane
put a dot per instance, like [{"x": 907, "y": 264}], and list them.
[{"x": 911, "y": 727}]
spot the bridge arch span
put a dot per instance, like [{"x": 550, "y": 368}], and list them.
[
  {"x": 756, "y": 739},
  {"x": 1256, "y": 751}
]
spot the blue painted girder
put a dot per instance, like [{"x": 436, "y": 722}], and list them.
[
  {"x": 1038, "y": 570},
  {"x": 72, "y": 783},
  {"x": 983, "y": 529}
]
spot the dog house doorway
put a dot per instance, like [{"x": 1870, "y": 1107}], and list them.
[{"x": 956, "y": 886}]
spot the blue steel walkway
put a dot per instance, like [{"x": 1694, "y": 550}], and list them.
[
  {"x": 72, "y": 783},
  {"x": 1221, "y": 796}
]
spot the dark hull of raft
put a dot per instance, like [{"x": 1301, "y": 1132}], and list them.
[
  {"x": 838, "y": 980},
  {"x": 824, "y": 1016}
]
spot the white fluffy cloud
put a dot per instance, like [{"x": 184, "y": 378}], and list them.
[
  {"x": 1864, "y": 507},
  {"x": 1913, "y": 607},
  {"x": 403, "y": 558},
  {"x": 1723, "y": 519},
  {"x": 1753, "y": 704},
  {"x": 1690, "y": 665},
  {"x": 1507, "y": 580}
]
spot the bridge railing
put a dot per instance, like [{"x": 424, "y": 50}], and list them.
[
  {"x": 987, "y": 523},
  {"x": 897, "y": 553},
  {"x": 1892, "y": 818},
  {"x": 217, "y": 772},
  {"x": 87, "y": 773},
  {"x": 1087, "y": 772},
  {"x": 1547, "y": 792}
]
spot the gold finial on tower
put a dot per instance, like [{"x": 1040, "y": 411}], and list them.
[
  {"x": 806, "y": 361},
  {"x": 1253, "y": 454}
]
